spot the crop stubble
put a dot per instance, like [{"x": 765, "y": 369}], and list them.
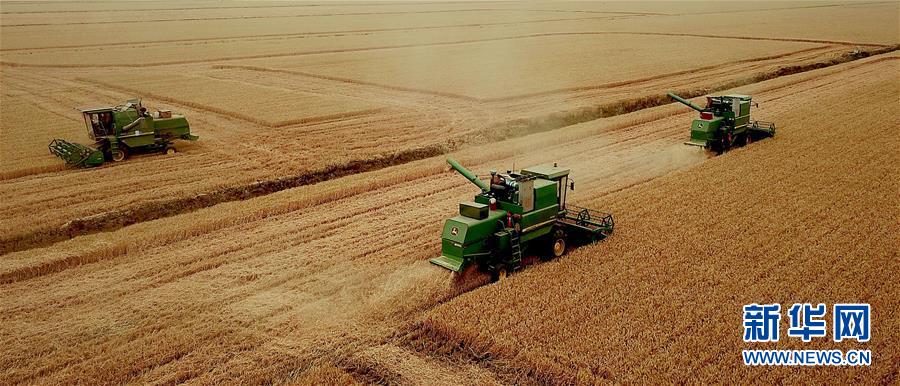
[
  {"x": 807, "y": 216},
  {"x": 240, "y": 148},
  {"x": 273, "y": 279}
]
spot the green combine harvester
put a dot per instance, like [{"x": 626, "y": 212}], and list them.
[
  {"x": 517, "y": 215},
  {"x": 121, "y": 130},
  {"x": 725, "y": 122}
]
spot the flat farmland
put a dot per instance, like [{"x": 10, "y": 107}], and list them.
[
  {"x": 272, "y": 107},
  {"x": 690, "y": 267},
  {"x": 92, "y": 34},
  {"x": 340, "y": 125},
  {"x": 290, "y": 243},
  {"x": 509, "y": 67},
  {"x": 291, "y": 30},
  {"x": 27, "y": 149},
  {"x": 313, "y": 281}
]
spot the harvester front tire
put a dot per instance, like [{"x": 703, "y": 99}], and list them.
[
  {"x": 118, "y": 154},
  {"x": 559, "y": 245},
  {"x": 170, "y": 150}
]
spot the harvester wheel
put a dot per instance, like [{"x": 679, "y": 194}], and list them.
[
  {"x": 170, "y": 150},
  {"x": 559, "y": 243},
  {"x": 118, "y": 154}
]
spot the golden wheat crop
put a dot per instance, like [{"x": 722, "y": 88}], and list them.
[
  {"x": 307, "y": 273},
  {"x": 290, "y": 244},
  {"x": 327, "y": 120},
  {"x": 793, "y": 218},
  {"x": 240, "y": 147},
  {"x": 25, "y": 150}
]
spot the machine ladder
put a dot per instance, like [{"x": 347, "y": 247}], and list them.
[{"x": 515, "y": 243}]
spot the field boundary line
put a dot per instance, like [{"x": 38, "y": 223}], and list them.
[
  {"x": 651, "y": 78},
  {"x": 520, "y": 96},
  {"x": 401, "y": 46},
  {"x": 346, "y": 80},
  {"x": 338, "y": 33},
  {"x": 609, "y": 13},
  {"x": 109, "y": 221},
  {"x": 459, "y": 10},
  {"x": 783, "y": 8},
  {"x": 239, "y": 116},
  {"x": 305, "y": 34},
  {"x": 337, "y": 4}
]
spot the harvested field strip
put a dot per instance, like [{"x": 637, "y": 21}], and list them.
[
  {"x": 276, "y": 6},
  {"x": 26, "y": 269},
  {"x": 294, "y": 16},
  {"x": 26, "y": 153},
  {"x": 306, "y": 247},
  {"x": 265, "y": 293},
  {"x": 346, "y": 80},
  {"x": 661, "y": 76},
  {"x": 275, "y": 108},
  {"x": 163, "y": 208},
  {"x": 466, "y": 61},
  {"x": 305, "y": 33},
  {"x": 520, "y": 96},
  {"x": 785, "y": 8},
  {"x": 292, "y": 53},
  {"x": 794, "y": 199}
]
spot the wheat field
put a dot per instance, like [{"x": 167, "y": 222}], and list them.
[
  {"x": 689, "y": 270},
  {"x": 289, "y": 245}
]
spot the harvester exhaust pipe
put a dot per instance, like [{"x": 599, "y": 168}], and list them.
[
  {"x": 469, "y": 175},
  {"x": 685, "y": 102}
]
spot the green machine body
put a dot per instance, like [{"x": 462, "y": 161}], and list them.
[{"x": 515, "y": 214}]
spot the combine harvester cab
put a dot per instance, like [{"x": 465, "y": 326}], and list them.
[
  {"x": 725, "y": 122},
  {"x": 120, "y": 130},
  {"x": 517, "y": 213}
]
